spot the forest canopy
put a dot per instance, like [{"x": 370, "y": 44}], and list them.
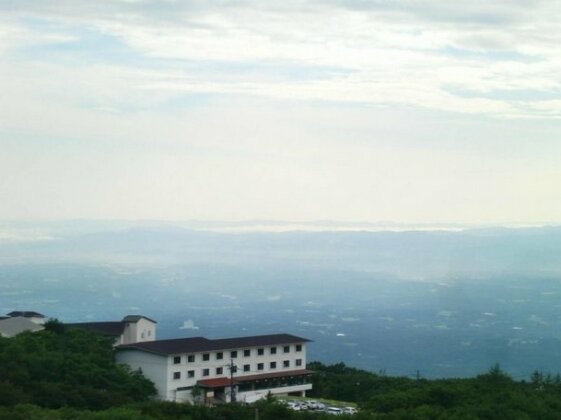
[{"x": 66, "y": 367}]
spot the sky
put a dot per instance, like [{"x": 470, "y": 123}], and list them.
[{"x": 427, "y": 111}]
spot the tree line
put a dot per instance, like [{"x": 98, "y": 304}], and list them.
[{"x": 492, "y": 395}]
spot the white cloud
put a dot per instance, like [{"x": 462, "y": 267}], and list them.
[
  {"x": 409, "y": 111},
  {"x": 386, "y": 52},
  {"x": 23, "y": 236},
  {"x": 189, "y": 325}
]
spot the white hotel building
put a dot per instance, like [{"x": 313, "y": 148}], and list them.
[{"x": 262, "y": 364}]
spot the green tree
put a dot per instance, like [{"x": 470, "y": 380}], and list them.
[{"x": 58, "y": 367}]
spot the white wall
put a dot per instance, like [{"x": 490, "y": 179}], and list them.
[
  {"x": 267, "y": 358},
  {"x": 198, "y": 365},
  {"x": 141, "y": 330},
  {"x": 153, "y": 366},
  {"x": 38, "y": 320}
]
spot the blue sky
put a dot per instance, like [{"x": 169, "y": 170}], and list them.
[{"x": 427, "y": 111}]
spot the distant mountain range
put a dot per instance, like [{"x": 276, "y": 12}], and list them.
[{"x": 415, "y": 254}]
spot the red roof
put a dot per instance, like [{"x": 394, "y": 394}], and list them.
[
  {"x": 214, "y": 383},
  {"x": 224, "y": 381}
]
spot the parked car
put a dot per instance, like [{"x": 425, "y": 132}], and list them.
[
  {"x": 349, "y": 410},
  {"x": 334, "y": 411},
  {"x": 312, "y": 405},
  {"x": 293, "y": 405}
]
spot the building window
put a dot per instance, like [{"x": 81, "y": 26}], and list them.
[
  {"x": 176, "y": 360},
  {"x": 176, "y": 375},
  {"x": 286, "y": 363},
  {"x": 298, "y": 347},
  {"x": 206, "y": 372},
  {"x": 234, "y": 354},
  {"x": 219, "y": 371},
  {"x": 298, "y": 362},
  {"x": 286, "y": 349},
  {"x": 273, "y": 350},
  {"x": 246, "y": 368},
  {"x": 273, "y": 365},
  {"x": 260, "y": 352},
  {"x": 149, "y": 333},
  {"x": 190, "y": 373},
  {"x": 260, "y": 366},
  {"x": 206, "y": 357},
  {"x": 246, "y": 353},
  {"x": 219, "y": 356},
  {"x": 191, "y": 358}
]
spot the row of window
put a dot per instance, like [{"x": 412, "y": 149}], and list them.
[
  {"x": 234, "y": 354},
  {"x": 246, "y": 368}
]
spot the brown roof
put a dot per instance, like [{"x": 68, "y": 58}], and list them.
[
  {"x": 26, "y": 314},
  {"x": 112, "y": 328},
  {"x": 200, "y": 344},
  {"x": 136, "y": 318}
]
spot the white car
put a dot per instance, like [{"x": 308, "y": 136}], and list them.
[
  {"x": 334, "y": 411},
  {"x": 349, "y": 410},
  {"x": 312, "y": 405},
  {"x": 293, "y": 405}
]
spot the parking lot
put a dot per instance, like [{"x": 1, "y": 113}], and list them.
[{"x": 318, "y": 406}]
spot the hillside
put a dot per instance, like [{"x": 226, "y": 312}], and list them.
[{"x": 69, "y": 374}]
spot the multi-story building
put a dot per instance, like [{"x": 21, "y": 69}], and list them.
[{"x": 247, "y": 368}]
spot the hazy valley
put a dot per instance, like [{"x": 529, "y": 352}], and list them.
[{"x": 443, "y": 303}]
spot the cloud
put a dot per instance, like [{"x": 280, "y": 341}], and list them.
[
  {"x": 473, "y": 12},
  {"x": 12, "y": 236},
  {"x": 402, "y": 110},
  {"x": 379, "y": 52},
  {"x": 189, "y": 325}
]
